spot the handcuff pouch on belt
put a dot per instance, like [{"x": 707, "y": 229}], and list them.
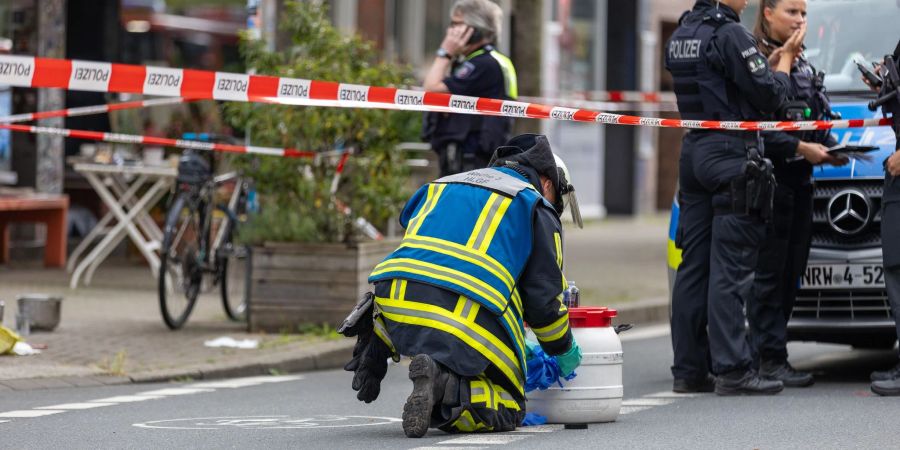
[{"x": 753, "y": 191}]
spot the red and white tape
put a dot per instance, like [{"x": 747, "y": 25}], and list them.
[
  {"x": 119, "y": 138},
  {"x": 37, "y": 72},
  {"x": 89, "y": 110}
]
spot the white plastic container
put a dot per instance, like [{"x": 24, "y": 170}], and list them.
[{"x": 595, "y": 394}]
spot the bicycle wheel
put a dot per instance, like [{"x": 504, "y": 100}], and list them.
[
  {"x": 180, "y": 271},
  {"x": 234, "y": 276}
]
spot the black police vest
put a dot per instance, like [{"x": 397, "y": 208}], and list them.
[{"x": 701, "y": 92}]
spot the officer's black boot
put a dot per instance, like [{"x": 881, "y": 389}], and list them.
[
  {"x": 883, "y": 375},
  {"x": 784, "y": 372},
  {"x": 887, "y": 387},
  {"x": 684, "y": 386},
  {"x": 429, "y": 381},
  {"x": 746, "y": 382}
]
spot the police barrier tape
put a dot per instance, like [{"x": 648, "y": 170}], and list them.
[
  {"x": 604, "y": 105},
  {"x": 119, "y": 138},
  {"x": 95, "y": 109},
  {"x": 27, "y": 71}
]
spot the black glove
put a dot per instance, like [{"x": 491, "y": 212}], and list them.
[
  {"x": 371, "y": 369},
  {"x": 370, "y": 354}
]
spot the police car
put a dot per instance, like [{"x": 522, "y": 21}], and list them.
[{"x": 842, "y": 297}]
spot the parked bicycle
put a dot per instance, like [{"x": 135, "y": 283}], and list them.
[{"x": 198, "y": 243}]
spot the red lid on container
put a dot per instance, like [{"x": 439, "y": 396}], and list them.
[{"x": 591, "y": 316}]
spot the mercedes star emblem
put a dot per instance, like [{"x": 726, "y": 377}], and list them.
[{"x": 849, "y": 212}]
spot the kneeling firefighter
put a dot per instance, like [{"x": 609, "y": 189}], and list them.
[{"x": 481, "y": 255}]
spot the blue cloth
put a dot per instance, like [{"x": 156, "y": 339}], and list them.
[
  {"x": 543, "y": 369},
  {"x": 532, "y": 419}
]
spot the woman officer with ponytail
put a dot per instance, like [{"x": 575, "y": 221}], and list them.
[{"x": 785, "y": 248}]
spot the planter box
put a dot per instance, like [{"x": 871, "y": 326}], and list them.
[{"x": 295, "y": 283}]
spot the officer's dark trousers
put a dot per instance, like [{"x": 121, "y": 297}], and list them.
[
  {"x": 890, "y": 240},
  {"x": 457, "y": 158},
  {"x": 719, "y": 256},
  {"x": 782, "y": 259}
]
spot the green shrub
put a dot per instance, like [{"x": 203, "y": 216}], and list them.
[{"x": 294, "y": 196}]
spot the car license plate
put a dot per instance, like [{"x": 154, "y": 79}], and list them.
[{"x": 842, "y": 276}]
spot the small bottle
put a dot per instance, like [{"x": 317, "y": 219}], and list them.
[
  {"x": 574, "y": 295},
  {"x": 565, "y": 299}
]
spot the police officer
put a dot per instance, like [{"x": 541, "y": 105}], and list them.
[
  {"x": 467, "y": 63},
  {"x": 719, "y": 74},
  {"x": 785, "y": 248},
  {"x": 482, "y": 253},
  {"x": 888, "y": 382}
]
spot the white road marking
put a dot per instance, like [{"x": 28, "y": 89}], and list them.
[
  {"x": 539, "y": 429},
  {"x": 244, "y": 382},
  {"x": 127, "y": 399},
  {"x": 486, "y": 439},
  {"x": 27, "y": 413},
  {"x": 641, "y": 333},
  {"x": 76, "y": 406},
  {"x": 445, "y": 448},
  {"x": 149, "y": 395},
  {"x": 268, "y": 422},
  {"x": 670, "y": 394},
  {"x": 647, "y": 402},
  {"x": 632, "y": 409},
  {"x": 175, "y": 391}
]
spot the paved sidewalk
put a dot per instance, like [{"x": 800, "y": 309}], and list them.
[{"x": 111, "y": 332}]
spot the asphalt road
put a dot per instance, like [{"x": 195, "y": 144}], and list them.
[{"x": 318, "y": 410}]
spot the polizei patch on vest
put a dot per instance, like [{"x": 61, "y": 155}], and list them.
[
  {"x": 756, "y": 64},
  {"x": 684, "y": 49},
  {"x": 492, "y": 179}
]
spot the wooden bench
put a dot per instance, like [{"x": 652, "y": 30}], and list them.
[{"x": 45, "y": 208}]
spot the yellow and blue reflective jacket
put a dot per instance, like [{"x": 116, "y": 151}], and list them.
[
  {"x": 470, "y": 233},
  {"x": 448, "y": 245}
]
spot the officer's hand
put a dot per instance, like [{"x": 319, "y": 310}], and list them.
[
  {"x": 456, "y": 39},
  {"x": 818, "y": 154},
  {"x": 794, "y": 45},
  {"x": 775, "y": 57},
  {"x": 866, "y": 80},
  {"x": 893, "y": 164},
  {"x": 569, "y": 360}
]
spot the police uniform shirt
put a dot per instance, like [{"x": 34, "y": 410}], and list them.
[
  {"x": 478, "y": 76},
  {"x": 750, "y": 90},
  {"x": 781, "y": 146}
]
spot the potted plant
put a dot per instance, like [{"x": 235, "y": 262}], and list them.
[{"x": 310, "y": 262}]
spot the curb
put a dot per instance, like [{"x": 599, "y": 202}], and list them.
[
  {"x": 643, "y": 312},
  {"x": 334, "y": 356}
]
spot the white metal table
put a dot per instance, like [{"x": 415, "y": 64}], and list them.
[{"x": 121, "y": 189}]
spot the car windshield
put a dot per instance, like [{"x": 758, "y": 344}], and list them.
[{"x": 842, "y": 32}]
